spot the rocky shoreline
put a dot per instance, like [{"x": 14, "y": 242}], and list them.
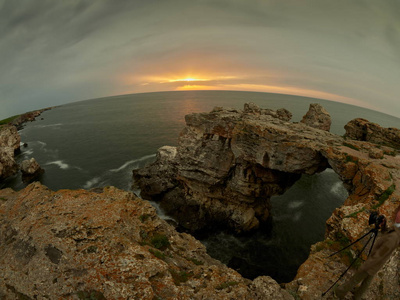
[
  {"x": 10, "y": 143},
  {"x": 109, "y": 244}
]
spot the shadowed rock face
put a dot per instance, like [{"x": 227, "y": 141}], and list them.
[
  {"x": 107, "y": 244},
  {"x": 229, "y": 162}
]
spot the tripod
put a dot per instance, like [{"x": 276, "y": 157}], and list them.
[{"x": 373, "y": 234}]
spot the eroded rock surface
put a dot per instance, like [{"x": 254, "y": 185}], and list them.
[
  {"x": 363, "y": 130},
  {"x": 229, "y": 162},
  {"x": 9, "y": 144},
  {"x": 30, "y": 169},
  {"x": 107, "y": 244},
  {"x": 317, "y": 117}
]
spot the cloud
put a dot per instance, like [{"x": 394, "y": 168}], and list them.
[{"x": 54, "y": 52}]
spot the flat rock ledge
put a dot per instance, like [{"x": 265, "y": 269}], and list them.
[
  {"x": 228, "y": 163},
  {"x": 108, "y": 244}
]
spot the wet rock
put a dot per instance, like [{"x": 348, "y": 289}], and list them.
[
  {"x": 317, "y": 117},
  {"x": 110, "y": 245}
]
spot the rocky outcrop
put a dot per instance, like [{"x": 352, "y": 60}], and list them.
[
  {"x": 317, "y": 117},
  {"x": 363, "y": 130},
  {"x": 30, "y": 169},
  {"x": 9, "y": 144},
  {"x": 107, "y": 244},
  {"x": 27, "y": 117},
  {"x": 229, "y": 162}
]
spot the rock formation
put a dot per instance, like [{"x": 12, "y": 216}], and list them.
[
  {"x": 9, "y": 144},
  {"x": 107, "y": 244},
  {"x": 317, "y": 117},
  {"x": 229, "y": 162},
  {"x": 363, "y": 130},
  {"x": 30, "y": 169}
]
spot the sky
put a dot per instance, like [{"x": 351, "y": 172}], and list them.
[{"x": 56, "y": 52}]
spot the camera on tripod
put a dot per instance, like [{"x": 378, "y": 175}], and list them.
[{"x": 376, "y": 219}]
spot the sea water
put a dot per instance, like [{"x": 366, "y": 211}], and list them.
[{"x": 99, "y": 142}]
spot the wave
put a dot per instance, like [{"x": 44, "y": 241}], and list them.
[
  {"x": 59, "y": 163},
  {"x": 131, "y": 162},
  {"x": 90, "y": 183},
  {"x": 50, "y": 125}
]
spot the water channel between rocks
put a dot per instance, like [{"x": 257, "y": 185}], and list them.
[{"x": 298, "y": 221}]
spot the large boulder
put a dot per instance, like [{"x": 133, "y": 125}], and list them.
[
  {"x": 107, "y": 244},
  {"x": 30, "y": 169},
  {"x": 317, "y": 117}
]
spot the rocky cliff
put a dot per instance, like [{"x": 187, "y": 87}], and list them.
[
  {"x": 107, "y": 244},
  {"x": 9, "y": 144},
  {"x": 230, "y": 162}
]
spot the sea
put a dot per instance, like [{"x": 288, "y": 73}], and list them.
[{"x": 98, "y": 142}]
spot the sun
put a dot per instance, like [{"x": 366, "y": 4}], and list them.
[{"x": 188, "y": 79}]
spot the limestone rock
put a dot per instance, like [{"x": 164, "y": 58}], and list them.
[
  {"x": 9, "y": 144},
  {"x": 107, "y": 245},
  {"x": 228, "y": 163},
  {"x": 317, "y": 117},
  {"x": 30, "y": 169},
  {"x": 9, "y": 137},
  {"x": 363, "y": 130}
]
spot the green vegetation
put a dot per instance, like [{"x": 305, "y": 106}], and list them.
[
  {"x": 351, "y": 146},
  {"x": 196, "y": 262},
  {"x": 351, "y": 159},
  {"x": 226, "y": 285},
  {"x": 294, "y": 295},
  {"x": 386, "y": 194},
  {"x": 160, "y": 241},
  {"x": 354, "y": 214},
  {"x": 144, "y": 217},
  {"x": 3, "y": 199},
  {"x": 179, "y": 277},
  {"x": 8, "y": 120},
  {"x": 157, "y": 254}
]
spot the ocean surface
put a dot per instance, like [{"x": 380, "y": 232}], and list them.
[{"x": 98, "y": 142}]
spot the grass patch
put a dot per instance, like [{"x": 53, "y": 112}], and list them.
[
  {"x": 160, "y": 241},
  {"x": 157, "y": 254},
  {"x": 144, "y": 217},
  {"x": 3, "y": 199},
  {"x": 196, "y": 262},
  {"x": 354, "y": 214},
  {"x": 386, "y": 194},
  {"x": 351, "y": 159},
  {"x": 226, "y": 285},
  {"x": 8, "y": 120},
  {"x": 351, "y": 146},
  {"x": 179, "y": 277}
]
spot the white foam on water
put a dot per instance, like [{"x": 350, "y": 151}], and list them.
[
  {"x": 161, "y": 212},
  {"x": 131, "y": 162},
  {"x": 338, "y": 189},
  {"x": 59, "y": 163},
  {"x": 50, "y": 125},
  {"x": 90, "y": 183},
  {"x": 295, "y": 204},
  {"x": 28, "y": 152}
]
